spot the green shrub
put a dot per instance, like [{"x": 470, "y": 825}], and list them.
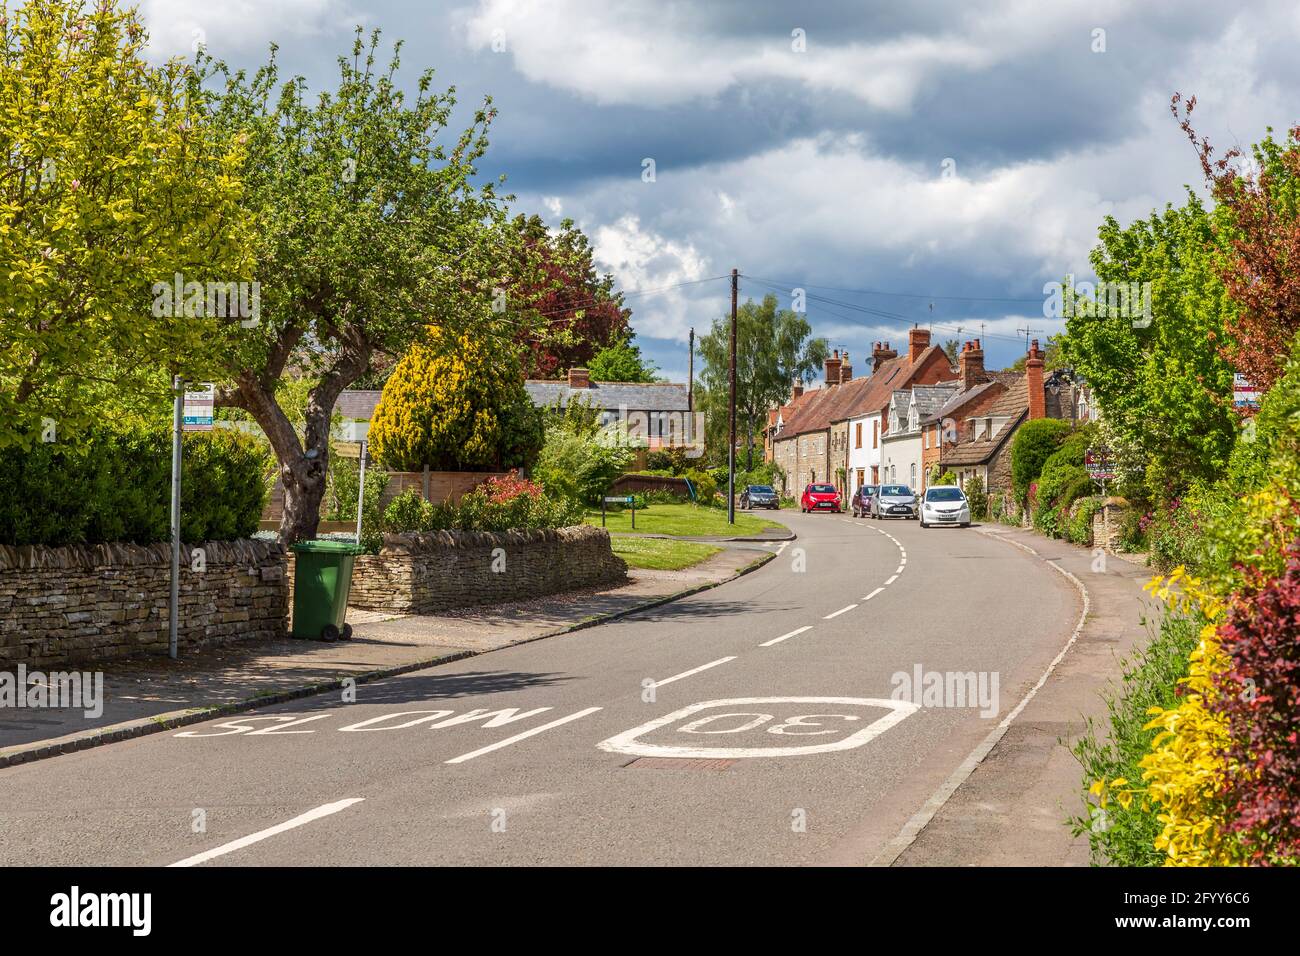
[
  {"x": 341, "y": 495},
  {"x": 114, "y": 485},
  {"x": 706, "y": 487},
  {"x": 500, "y": 504},
  {"x": 1034, "y": 442},
  {"x": 979, "y": 501},
  {"x": 579, "y": 464}
]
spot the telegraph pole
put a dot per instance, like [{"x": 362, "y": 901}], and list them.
[
  {"x": 731, "y": 407},
  {"x": 690, "y": 376}
]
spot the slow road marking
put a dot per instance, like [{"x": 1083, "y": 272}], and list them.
[{"x": 302, "y": 818}]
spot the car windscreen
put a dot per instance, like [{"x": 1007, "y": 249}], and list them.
[
  {"x": 947, "y": 493},
  {"x": 761, "y": 489},
  {"x": 895, "y": 491},
  {"x": 868, "y": 489},
  {"x": 822, "y": 489}
]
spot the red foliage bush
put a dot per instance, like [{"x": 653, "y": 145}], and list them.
[
  {"x": 504, "y": 489},
  {"x": 1261, "y": 699}
]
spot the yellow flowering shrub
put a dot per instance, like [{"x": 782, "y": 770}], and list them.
[{"x": 1186, "y": 768}]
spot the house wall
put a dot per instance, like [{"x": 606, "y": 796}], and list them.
[
  {"x": 813, "y": 463},
  {"x": 898, "y": 456},
  {"x": 868, "y": 456},
  {"x": 85, "y": 603},
  {"x": 785, "y": 452},
  {"x": 839, "y": 457}
]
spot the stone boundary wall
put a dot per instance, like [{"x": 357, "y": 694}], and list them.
[
  {"x": 87, "y": 603},
  {"x": 423, "y": 572}
]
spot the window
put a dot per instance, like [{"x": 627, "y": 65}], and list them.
[
  {"x": 875, "y": 433},
  {"x": 926, "y": 438},
  {"x": 857, "y": 435},
  {"x": 913, "y": 481}
]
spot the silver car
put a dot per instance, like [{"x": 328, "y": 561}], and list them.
[{"x": 893, "y": 501}]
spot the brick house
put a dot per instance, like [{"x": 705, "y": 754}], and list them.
[
  {"x": 819, "y": 435},
  {"x": 978, "y": 389},
  {"x": 902, "y": 446},
  {"x": 982, "y": 445},
  {"x": 867, "y": 424}
]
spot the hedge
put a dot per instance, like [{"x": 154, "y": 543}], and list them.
[{"x": 112, "y": 483}]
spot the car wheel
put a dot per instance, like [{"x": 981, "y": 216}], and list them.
[
  {"x": 966, "y": 525},
  {"x": 924, "y": 525}
]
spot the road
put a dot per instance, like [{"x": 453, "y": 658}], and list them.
[{"x": 749, "y": 724}]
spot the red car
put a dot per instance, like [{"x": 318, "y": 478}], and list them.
[{"x": 820, "y": 498}]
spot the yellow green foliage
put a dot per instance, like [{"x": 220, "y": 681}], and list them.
[{"x": 455, "y": 402}]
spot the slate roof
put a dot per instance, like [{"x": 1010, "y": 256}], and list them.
[
  {"x": 651, "y": 397},
  {"x": 1014, "y": 406},
  {"x": 930, "y": 398},
  {"x": 358, "y": 403}
]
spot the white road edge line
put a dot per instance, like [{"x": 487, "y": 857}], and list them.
[
  {"x": 874, "y": 593},
  {"x": 783, "y": 637},
  {"x": 694, "y": 670},
  {"x": 899, "y": 570},
  {"x": 891, "y": 580},
  {"x": 302, "y": 818},
  {"x": 912, "y": 829},
  {"x": 843, "y": 610},
  {"x": 518, "y": 737}
]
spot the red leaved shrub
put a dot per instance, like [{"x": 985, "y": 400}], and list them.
[{"x": 1261, "y": 699}]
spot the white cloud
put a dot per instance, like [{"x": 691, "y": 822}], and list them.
[{"x": 177, "y": 27}]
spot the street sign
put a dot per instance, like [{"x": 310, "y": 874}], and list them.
[
  {"x": 197, "y": 413},
  {"x": 627, "y": 500},
  {"x": 618, "y": 500},
  {"x": 1244, "y": 395},
  {"x": 1100, "y": 464}
]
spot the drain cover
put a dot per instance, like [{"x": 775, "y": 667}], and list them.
[{"x": 678, "y": 763}]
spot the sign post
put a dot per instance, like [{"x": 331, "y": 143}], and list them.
[
  {"x": 191, "y": 412},
  {"x": 1100, "y": 464},
  {"x": 618, "y": 500},
  {"x": 361, "y": 488}
]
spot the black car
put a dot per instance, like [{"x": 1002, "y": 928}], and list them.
[
  {"x": 760, "y": 496},
  {"x": 862, "y": 500}
]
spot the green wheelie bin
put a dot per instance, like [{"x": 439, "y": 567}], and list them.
[{"x": 321, "y": 581}]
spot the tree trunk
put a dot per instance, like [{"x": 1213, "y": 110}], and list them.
[{"x": 304, "y": 489}]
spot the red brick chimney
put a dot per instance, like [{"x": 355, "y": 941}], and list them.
[
  {"x": 578, "y": 378},
  {"x": 797, "y": 390},
  {"x": 846, "y": 370},
  {"x": 1034, "y": 382},
  {"x": 881, "y": 354},
  {"x": 833, "y": 368},
  {"x": 971, "y": 365},
  {"x": 918, "y": 340}
]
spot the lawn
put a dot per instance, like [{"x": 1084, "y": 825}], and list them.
[
  {"x": 681, "y": 520},
  {"x": 660, "y": 554}
]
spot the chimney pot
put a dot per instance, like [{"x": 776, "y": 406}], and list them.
[
  {"x": 970, "y": 365},
  {"x": 579, "y": 378},
  {"x": 1034, "y": 382},
  {"x": 918, "y": 340}
]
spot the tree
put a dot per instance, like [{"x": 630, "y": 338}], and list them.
[
  {"x": 573, "y": 311},
  {"x": 369, "y": 230},
  {"x": 455, "y": 405},
  {"x": 951, "y": 348},
  {"x": 1161, "y": 390},
  {"x": 621, "y": 362},
  {"x": 1257, "y": 227},
  {"x": 773, "y": 350},
  {"x": 112, "y": 182}
]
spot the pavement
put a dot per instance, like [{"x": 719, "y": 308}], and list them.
[{"x": 767, "y": 721}]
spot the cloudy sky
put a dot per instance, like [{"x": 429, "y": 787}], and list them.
[{"x": 932, "y": 162}]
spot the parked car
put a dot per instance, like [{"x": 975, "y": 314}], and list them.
[
  {"x": 945, "y": 504},
  {"x": 820, "y": 498},
  {"x": 862, "y": 500},
  {"x": 893, "y": 501},
  {"x": 760, "y": 496}
]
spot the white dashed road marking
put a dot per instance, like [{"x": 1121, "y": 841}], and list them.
[
  {"x": 842, "y": 610},
  {"x": 783, "y": 637},
  {"x": 873, "y": 593},
  {"x": 302, "y": 818},
  {"x": 694, "y": 670}
]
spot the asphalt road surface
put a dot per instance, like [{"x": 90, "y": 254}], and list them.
[{"x": 756, "y": 723}]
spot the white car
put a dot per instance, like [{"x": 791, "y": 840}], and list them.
[{"x": 945, "y": 504}]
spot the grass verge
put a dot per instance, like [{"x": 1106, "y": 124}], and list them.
[
  {"x": 682, "y": 520},
  {"x": 661, "y": 554}
]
